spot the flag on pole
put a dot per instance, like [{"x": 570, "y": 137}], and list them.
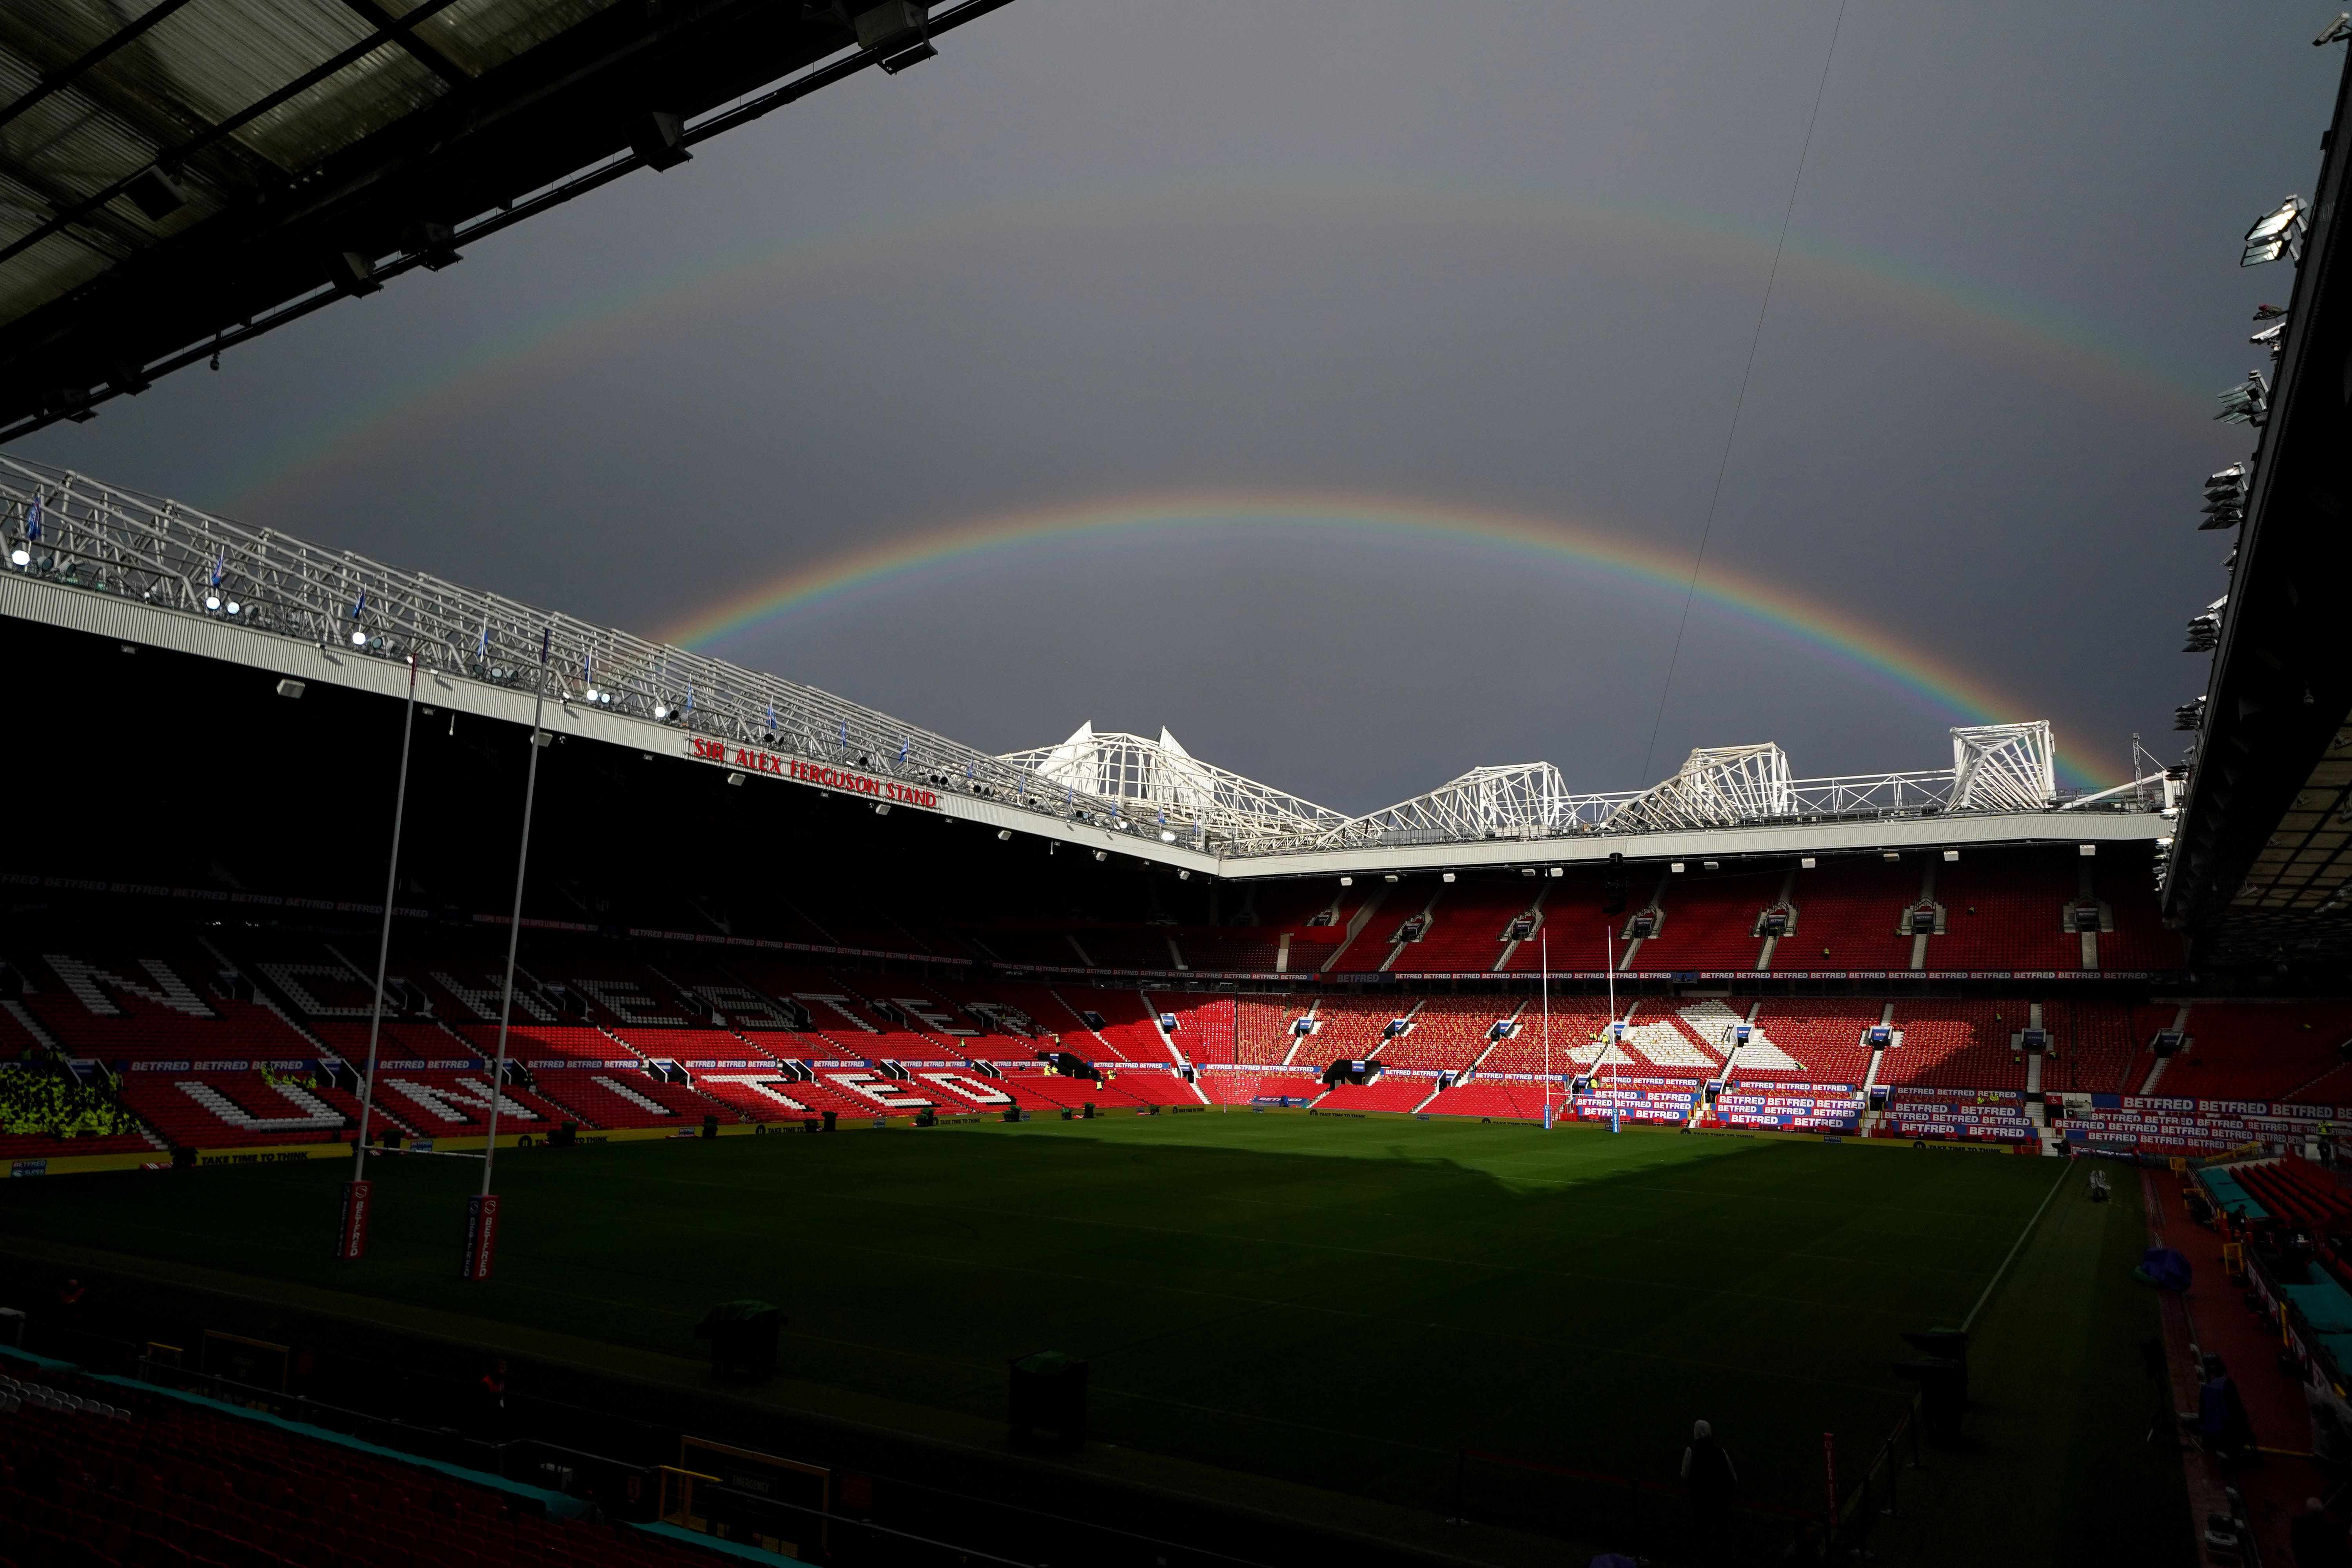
[
  {"x": 482, "y": 650},
  {"x": 772, "y": 717},
  {"x": 32, "y": 521},
  {"x": 547, "y": 643},
  {"x": 220, "y": 567},
  {"x": 903, "y": 746}
]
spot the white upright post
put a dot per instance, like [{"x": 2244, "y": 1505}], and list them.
[
  {"x": 351, "y": 1238},
  {"x": 481, "y": 1226}
]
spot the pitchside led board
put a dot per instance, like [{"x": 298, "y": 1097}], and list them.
[{"x": 753, "y": 1500}]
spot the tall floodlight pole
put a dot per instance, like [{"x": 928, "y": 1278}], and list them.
[
  {"x": 350, "y": 1239},
  {"x": 482, "y": 1216}
]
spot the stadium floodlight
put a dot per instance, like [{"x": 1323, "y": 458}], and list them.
[
  {"x": 661, "y": 710},
  {"x": 1560, "y": 870},
  {"x": 1806, "y": 864},
  {"x": 1102, "y": 854},
  {"x": 2248, "y": 403},
  {"x": 2337, "y": 31},
  {"x": 359, "y": 639},
  {"x": 1675, "y": 867},
  {"x": 1449, "y": 876},
  {"x": 1347, "y": 881},
  {"x": 591, "y": 694},
  {"x": 2272, "y": 336},
  {"x": 2086, "y": 850},
  {"x": 1950, "y": 856},
  {"x": 234, "y": 607},
  {"x": 735, "y": 778},
  {"x": 2277, "y": 232},
  {"x": 20, "y": 556},
  {"x": 881, "y": 808},
  {"x": 1004, "y": 836},
  {"x": 212, "y": 600},
  {"x": 1167, "y": 836}
]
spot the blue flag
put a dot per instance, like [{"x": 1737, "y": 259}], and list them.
[
  {"x": 32, "y": 521},
  {"x": 546, "y": 643}
]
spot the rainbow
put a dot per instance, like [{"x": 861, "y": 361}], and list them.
[
  {"x": 1554, "y": 543},
  {"x": 747, "y": 281}
]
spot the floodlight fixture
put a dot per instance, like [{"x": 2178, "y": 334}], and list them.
[
  {"x": 1102, "y": 854},
  {"x": 212, "y": 600},
  {"x": 1710, "y": 864},
  {"x": 1449, "y": 876},
  {"x": 881, "y": 808},
  {"x": 735, "y": 778},
  {"x": 290, "y": 688},
  {"x": 359, "y": 639},
  {"x": 20, "y": 556},
  {"x": 1806, "y": 863},
  {"x": 1950, "y": 856},
  {"x": 234, "y": 607},
  {"x": 1347, "y": 881},
  {"x": 2086, "y": 850},
  {"x": 1183, "y": 876},
  {"x": 1004, "y": 836},
  {"x": 1167, "y": 835},
  {"x": 2270, "y": 335},
  {"x": 1560, "y": 870},
  {"x": 2277, "y": 232},
  {"x": 1890, "y": 856},
  {"x": 1390, "y": 878},
  {"x": 2248, "y": 403},
  {"x": 591, "y": 694},
  {"x": 2337, "y": 31},
  {"x": 661, "y": 710},
  {"x": 1676, "y": 867}
]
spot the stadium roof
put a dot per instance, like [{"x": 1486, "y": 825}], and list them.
[
  {"x": 2261, "y": 861},
  {"x": 146, "y": 570},
  {"x": 180, "y": 175}
]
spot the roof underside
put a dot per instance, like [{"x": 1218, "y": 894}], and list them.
[
  {"x": 2262, "y": 855},
  {"x": 181, "y": 173}
]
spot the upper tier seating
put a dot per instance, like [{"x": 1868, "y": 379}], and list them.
[
  {"x": 1465, "y": 932},
  {"x": 2006, "y": 909},
  {"x": 1849, "y": 911},
  {"x": 1710, "y": 920}
]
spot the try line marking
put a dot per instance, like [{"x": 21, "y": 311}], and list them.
[{"x": 1969, "y": 1321}]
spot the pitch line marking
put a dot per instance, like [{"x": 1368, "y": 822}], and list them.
[{"x": 1969, "y": 1320}]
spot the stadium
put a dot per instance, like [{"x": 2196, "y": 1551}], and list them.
[{"x": 531, "y": 1091}]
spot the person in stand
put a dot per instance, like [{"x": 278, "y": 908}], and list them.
[
  {"x": 1708, "y": 1476},
  {"x": 1806, "y": 1545},
  {"x": 2318, "y": 1541}
]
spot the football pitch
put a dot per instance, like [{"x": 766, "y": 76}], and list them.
[{"x": 1339, "y": 1302}]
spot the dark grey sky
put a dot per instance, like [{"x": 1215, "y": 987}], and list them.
[{"x": 1455, "y": 259}]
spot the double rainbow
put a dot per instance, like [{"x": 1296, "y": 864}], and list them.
[{"x": 1552, "y": 543}]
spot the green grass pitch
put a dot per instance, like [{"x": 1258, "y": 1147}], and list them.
[{"x": 1339, "y": 1302}]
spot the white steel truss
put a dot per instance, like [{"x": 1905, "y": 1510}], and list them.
[
  {"x": 67, "y": 530},
  {"x": 2004, "y": 767},
  {"x": 1717, "y": 787},
  {"x": 1169, "y": 785}
]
